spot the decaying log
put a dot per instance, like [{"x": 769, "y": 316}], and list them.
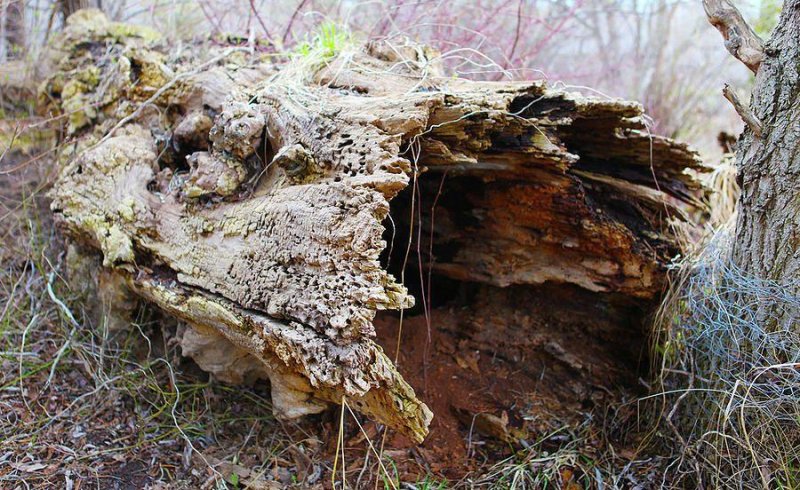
[{"x": 248, "y": 198}]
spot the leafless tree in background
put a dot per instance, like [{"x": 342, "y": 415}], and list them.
[{"x": 12, "y": 29}]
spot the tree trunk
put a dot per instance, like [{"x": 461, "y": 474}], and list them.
[
  {"x": 249, "y": 200},
  {"x": 69, "y": 7},
  {"x": 12, "y": 30},
  {"x": 767, "y": 244}
]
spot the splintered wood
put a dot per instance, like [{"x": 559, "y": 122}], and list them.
[{"x": 248, "y": 198}]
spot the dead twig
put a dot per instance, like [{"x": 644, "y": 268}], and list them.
[
  {"x": 740, "y": 39},
  {"x": 744, "y": 112},
  {"x": 291, "y": 22},
  {"x": 260, "y": 20}
]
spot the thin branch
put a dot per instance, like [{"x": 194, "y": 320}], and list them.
[
  {"x": 740, "y": 39},
  {"x": 291, "y": 22},
  {"x": 516, "y": 36},
  {"x": 260, "y": 20},
  {"x": 744, "y": 112}
]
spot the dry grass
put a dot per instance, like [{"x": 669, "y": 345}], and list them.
[
  {"x": 577, "y": 457},
  {"x": 724, "y": 192},
  {"x": 729, "y": 405}
]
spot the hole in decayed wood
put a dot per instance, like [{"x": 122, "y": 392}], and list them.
[{"x": 531, "y": 351}]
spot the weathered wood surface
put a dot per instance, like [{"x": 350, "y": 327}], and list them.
[
  {"x": 248, "y": 198},
  {"x": 740, "y": 39}
]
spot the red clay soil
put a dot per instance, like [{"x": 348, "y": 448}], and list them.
[{"x": 513, "y": 357}]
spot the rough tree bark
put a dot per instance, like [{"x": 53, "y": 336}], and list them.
[
  {"x": 767, "y": 244},
  {"x": 248, "y": 199}
]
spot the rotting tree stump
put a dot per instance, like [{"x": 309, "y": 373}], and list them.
[{"x": 249, "y": 199}]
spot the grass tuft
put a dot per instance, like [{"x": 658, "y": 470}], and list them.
[
  {"x": 730, "y": 375},
  {"x": 325, "y": 43}
]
